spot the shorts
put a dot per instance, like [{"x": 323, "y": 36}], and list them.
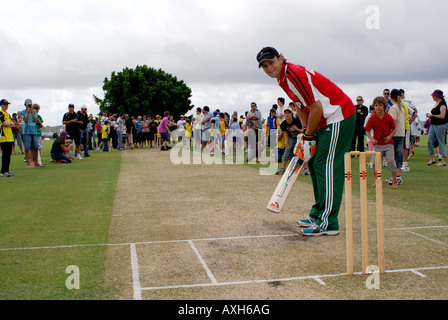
[
  {"x": 30, "y": 142},
  {"x": 407, "y": 139},
  {"x": 205, "y": 135},
  {"x": 76, "y": 137},
  {"x": 289, "y": 152},
  {"x": 164, "y": 136}
]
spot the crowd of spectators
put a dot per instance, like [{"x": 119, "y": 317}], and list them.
[{"x": 214, "y": 131}]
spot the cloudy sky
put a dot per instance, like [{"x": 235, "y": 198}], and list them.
[{"x": 58, "y": 52}]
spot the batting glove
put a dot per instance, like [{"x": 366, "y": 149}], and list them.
[{"x": 309, "y": 147}]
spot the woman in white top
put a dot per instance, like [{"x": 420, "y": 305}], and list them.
[
  {"x": 197, "y": 128},
  {"x": 397, "y": 112}
]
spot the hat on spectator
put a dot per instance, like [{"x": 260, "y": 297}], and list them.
[
  {"x": 4, "y": 101},
  {"x": 63, "y": 133},
  {"x": 438, "y": 93},
  {"x": 28, "y": 102}
]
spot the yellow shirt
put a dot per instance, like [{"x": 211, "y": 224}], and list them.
[
  {"x": 104, "y": 131},
  {"x": 281, "y": 143},
  {"x": 222, "y": 127},
  {"x": 7, "y": 135},
  {"x": 188, "y": 130},
  {"x": 407, "y": 125}
]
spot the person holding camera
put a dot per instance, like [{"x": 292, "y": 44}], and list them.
[{"x": 29, "y": 116}]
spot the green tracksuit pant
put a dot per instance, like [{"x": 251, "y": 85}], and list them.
[{"x": 327, "y": 171}]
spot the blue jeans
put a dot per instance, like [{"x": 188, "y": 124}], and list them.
[
  {"x": 398, "y": 151},
  {"x": 60, "y": 156},
  {"x": 437, "y": 133},
  {"x": 120, "y": 139},
  {"x": 85, "y": 141}
]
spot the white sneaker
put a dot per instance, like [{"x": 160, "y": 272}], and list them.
[
  {"x": 79, "y": 157},
  {"x": 405, "y": 168}
]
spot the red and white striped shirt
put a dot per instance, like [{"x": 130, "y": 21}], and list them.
[{"x": 307, "y": 86}]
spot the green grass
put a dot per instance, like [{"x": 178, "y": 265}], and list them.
[{"x": 61, "y": 204}]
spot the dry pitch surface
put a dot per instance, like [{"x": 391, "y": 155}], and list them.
[{"x": 203, "y": 232}]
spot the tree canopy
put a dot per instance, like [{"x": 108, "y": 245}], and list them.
[{"x": 144, "y": 91}]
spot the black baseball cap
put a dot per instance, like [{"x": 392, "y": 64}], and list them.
[
  {"x": 267, "y": 53},
  {"x": 4, "y": 101}
]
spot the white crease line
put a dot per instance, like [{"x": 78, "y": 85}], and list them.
[
  {"x": 319, "y": 280},
  {"x": 427, "y": 238},
  {"x": 202, "y": 239},
  {"x": 316, "y": 278},
  {"x": 209, "y": 273},
  {"x": 418, "y": 273},
  {"x": 135, "y": 274}
]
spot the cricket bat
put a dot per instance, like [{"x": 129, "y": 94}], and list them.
[{"x": 288, "y": 179}]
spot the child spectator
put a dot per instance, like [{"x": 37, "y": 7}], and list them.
[
  {"x": 235, "y": 132},
  {"x": 291, "y": 127},
  {"x": 223, "y": 126},
  {"x": 188, "y": 132},
  {"x": 280, "y": 146},
  {"x": 272, "y": 126},
  {"x": 104, "y": 137},
  {"x": 39, "y": 127},
  {"x": 213, "y": 137},
  {"x": 165, "y": 131},
  {"x": 369, "y": 142},
  {"x": 383, "y": 126}
]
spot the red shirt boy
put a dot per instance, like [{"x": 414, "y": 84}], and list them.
[{"x": 383, "y": 126}]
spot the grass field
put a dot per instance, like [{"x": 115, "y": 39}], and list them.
[
  {"x": 88, "y": 213},
  {"x": 61, "y": 204}
]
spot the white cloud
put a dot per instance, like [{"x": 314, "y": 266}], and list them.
[{"x": 59, "y": 52}]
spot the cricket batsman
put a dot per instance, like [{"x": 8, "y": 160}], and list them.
[{"x": 328, "y": 117}]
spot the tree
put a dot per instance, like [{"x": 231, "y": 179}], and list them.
[{"x": 143, "y": 91}]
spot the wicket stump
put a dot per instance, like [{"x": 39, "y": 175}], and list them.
[{"x": 363, "y": 204}]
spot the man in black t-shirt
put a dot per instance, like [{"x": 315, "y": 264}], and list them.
[
  {"x": 292, "y": 127},
  {"x": 71, "y": 122},
  {"x": 129, "y": 130},
  {"x": 152, "y": 132},
  {"x": 83, "y": 132}
]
